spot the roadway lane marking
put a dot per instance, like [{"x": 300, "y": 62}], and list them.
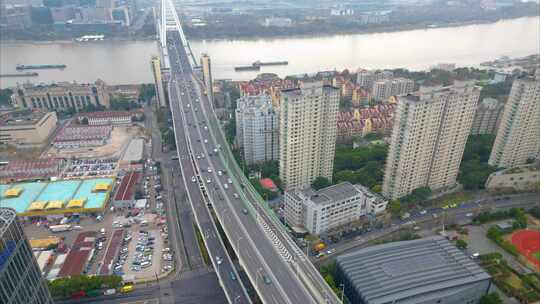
[{"x": 150, "y": 301}]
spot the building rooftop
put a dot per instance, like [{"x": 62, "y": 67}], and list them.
[
  {"x": 332, "y": 194},
  {"x": 7, "y": 215},
  {"x": 385, "y": 273},
  {"x": 24, "y": 117}
]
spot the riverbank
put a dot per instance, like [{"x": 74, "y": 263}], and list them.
[
  {"x": 73, "y": 41},
  {"x": 278, "y": 35},
  {"x": 215, "y": 36}
]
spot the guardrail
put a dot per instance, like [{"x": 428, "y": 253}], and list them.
[
  {"x": 325, "y": 296},
  {"x": 196, "y": 169}
]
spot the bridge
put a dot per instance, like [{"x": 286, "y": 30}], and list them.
[{"x": 277, "y": 269}]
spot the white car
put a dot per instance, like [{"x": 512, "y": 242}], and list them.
[
  {"x": 206, "y": 141},
  {"x": 219, "y": 260},
  {"x": 219, "y": 173},
  {"x": 215, "y": 150},
  {"x": 229, "y": 181},
  {"x": 226, "y": 186},
  {"x": 209, "y": 170},
  {"x": 235, "y": 195},
  {"x": 208, "y": 181},
  {"x": 193, "y": 179}
]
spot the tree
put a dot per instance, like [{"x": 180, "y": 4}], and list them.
[
  {"x": 269, "y": 168},
  {"x": 5, "y": 96},
  {"x": 395, "y": 208},
  {"x": 461, "y": 244},
  {"x": 320, "y": 182},
  {"x": 417, "y": 195},
  {"x": 147, "y": 92},
  {"x": 377, "y": 188},
  {"x": 492, "y": 298}
]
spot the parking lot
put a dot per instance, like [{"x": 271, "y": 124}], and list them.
[
  {"x": 131, "y": 240},
  {"x": 91, "y": 167}
]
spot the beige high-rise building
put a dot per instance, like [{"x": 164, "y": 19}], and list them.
[
  {"x": 428, "y": 138},
  {"x": 518, "y": 136},
  {"x": 158, "y": 80},
  {"x": 307, "y": 133},
  {"x": 207, "y": 75}
]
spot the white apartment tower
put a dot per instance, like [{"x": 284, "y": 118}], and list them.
[
  {"x": 428, "y": 138},
  {"x": 257, "y": 129},
  {"x": 383, "y": 89},
  {"x": 518, "y": 135},
  {"x": 307, "y": 133}
]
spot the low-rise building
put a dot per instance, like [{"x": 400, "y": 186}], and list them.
[
  {"x": 62, "y": 96},
  {"x": 20, "y": 170},
  {"x": 278, "y": 22},
  {"x": 109, "y": 117},
  {"x": 428, "y": 271},
  {"x": 81, "y": 136},
  {"x": 520, "y": 178},
  {"x": 360, "y": 97},
  {"x": 27, "y": 128},
  {"x": 331, "y": 207},
  {"x": 360, "y": 122}
]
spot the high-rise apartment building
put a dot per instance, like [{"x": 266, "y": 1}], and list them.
[
  {"x": 330, "y": 207},
  {"x": 383, "y": 89},
  {"x": 365, "y": 78},
  {"x": 518, "y": 136},
  {"x": 307, "y": 133},
  {"x": 20, "y": 277},
  {"x": 158, "y": 80},
  {"x": 257, "y": 129},
  {"x": 428, "y": 138},
  {"x": 207, "y": 74},
  {"x": 487, "y": 117}
]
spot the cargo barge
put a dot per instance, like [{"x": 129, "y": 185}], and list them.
[
  {"x": 256, "y": 66},
  {"x": 259, "y": 63},
  {"x": 40, "y": 66},
  {"x": 28, "y": 74},
  {"x": 247, "y": 68}
]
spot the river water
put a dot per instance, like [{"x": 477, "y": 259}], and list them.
[{"x": 118, "y": 62}]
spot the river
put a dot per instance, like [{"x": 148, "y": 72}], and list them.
[{"x": 118, "y": 62}]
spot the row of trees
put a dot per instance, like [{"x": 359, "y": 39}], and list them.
[
  {"x": 474, "y": 169},
  {"x": 518, "y": 214},
  {"x": 65, "y": 287},
  {"x": 363, "y": 165}
]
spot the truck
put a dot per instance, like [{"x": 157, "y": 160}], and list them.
[
  {"x": 60, "y": 228},
  {"x": 109, "y": 292},
  {"x": 319, "y": 246}
]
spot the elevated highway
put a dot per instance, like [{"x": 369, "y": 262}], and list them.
[{"x": 276, "y": 267}]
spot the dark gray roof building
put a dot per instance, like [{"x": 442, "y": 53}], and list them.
[{"x": 424, "y": 271}]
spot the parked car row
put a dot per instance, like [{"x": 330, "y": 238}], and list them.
[
  {"x": 122, "y": 255},
  {"x": 145, "y": 251}
]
